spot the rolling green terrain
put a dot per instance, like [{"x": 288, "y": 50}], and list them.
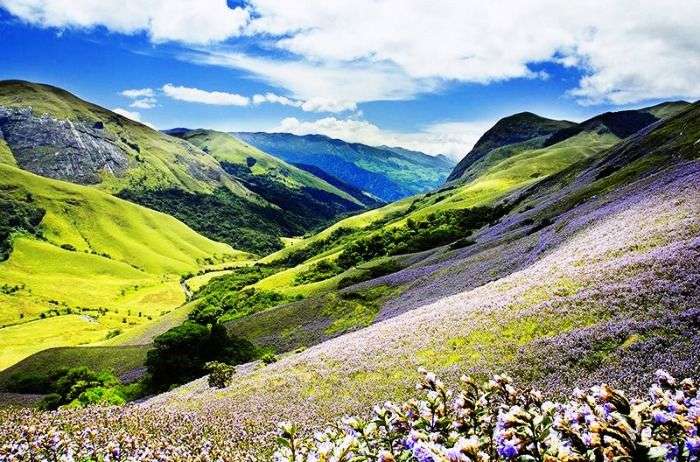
[
  {"x": 96, "y": 264},
  {"x": 52, "y": 133}
]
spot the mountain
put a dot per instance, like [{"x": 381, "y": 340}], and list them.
[
  {"x": 50, "y": 132},
  {"x": 311, "y": 200},
  {"x": 564, "y": 266},
  {"x": 386, "y": 173},
  {"x": 510, "y": 130}
]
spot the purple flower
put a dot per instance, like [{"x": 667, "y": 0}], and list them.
[
  {"x": 693, "y": 445},
  {"x": 660, "y": 417},
  {"x": 422, "y": 454},
  {"x": 508, "y": 448}
]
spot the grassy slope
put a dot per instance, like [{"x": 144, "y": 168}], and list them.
[
  {"x": 120, "y": 360},
  {"x": 586, "y": 309},
  {"x": 227, "y": 148},
  {"x": 147, "y": 251},
  {"x": 496, "y": 181},
  {"x": 160, "y": 162}
]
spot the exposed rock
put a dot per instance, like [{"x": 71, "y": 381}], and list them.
[{"x": 61, "y": 149}]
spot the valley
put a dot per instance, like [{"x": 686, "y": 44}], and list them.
[{"x": 562, "y": 253}]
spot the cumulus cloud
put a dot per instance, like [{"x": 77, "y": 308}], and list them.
[
  {"x": 636, "y": 50},
  {"x": 133, "y": 115},
  {"x": 196, "y": 95},
  {"x": 139, "y": 93},
  {"x": 368, "y": 50},
  {"x": 187, "y": 21},
  {"x": 144, "y": 103},
  {"x": 454, "y": 139}
]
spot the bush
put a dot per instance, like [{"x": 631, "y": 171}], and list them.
[
  {"x": 220, "y": 374},
  {"x": 50, "y": 402},
  {"x": 269, "y": 358},
  {"x": 321, "y": 271},
  {"x": 495, "y": 421},
  {"x": 180, "y": 354},
  {"x": 435, "y": 230}
]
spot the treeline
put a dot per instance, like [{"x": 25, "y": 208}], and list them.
[
  {"x": 17, "y": 215},
  {"x": 437, "y": 229}
]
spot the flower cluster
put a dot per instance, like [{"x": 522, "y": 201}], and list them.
[{"x": 497, "y": 421}]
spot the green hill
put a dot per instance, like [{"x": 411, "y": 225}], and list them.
[
  {"x": 94, "y": 264},
  {"x": 52, "y": 133},
  {"x": 310, "y": 200},
  {"x": 583, "y": 275}
]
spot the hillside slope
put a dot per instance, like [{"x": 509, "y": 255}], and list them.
[
  {"x": 387, "y": 173},
  {"x": 311, "y": 200},
  {"x": 50, "y": 132},
  {"x": 94, "y": 263},
  {"x": 591, "y": 275},
  {"x": 507, "y": 131}
]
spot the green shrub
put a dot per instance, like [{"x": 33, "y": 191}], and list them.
[
  {"x": 180, "y": 354},
  {"x": 269, "y": 358},
  {"x": 220, "y": 374},
  {"x": 50, "y": 402},
  {"x": 436, "y": 229},
  {"x": 321, "y": 271}
]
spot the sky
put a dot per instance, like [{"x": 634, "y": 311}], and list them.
[{"x": 430, "y": 75}]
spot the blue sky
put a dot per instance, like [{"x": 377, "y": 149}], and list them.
[{"x": 425, "y": 75}]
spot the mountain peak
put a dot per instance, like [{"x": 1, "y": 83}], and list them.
[{"x": 508, "y": 130}]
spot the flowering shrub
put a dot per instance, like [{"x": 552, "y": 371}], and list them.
[
  {"x": 496, "y": 421},
  {"x": 220, "y": 374}
]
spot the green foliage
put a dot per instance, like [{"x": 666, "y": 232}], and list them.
[
  {"x": 436, "y": 229},
  {"x": 319, "y": 272},
  {"x": 316, "y": 247},
  {"x": 220, "y": 374},
  {"x": 381, "y": 268},
  {"x": 180, "y": 354},
  {"x": 37, "y": 373},
  {"x": 268, "y": 358},
  {"x": 222, "y": 216},
  {"x": 223, "y": 298},
  {"x": 81, "y": 386},
  {"x": 17, "y": 215}
]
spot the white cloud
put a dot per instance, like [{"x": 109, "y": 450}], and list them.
[
  {"x": 369, "y": 50},
  {"x": 133, "y": 115},
  {"x": 138, "y": 93},
  {"x": 144, "y": 103},
  {"x": 628, "y": 50},
  {"x": 454, "y": 139},
  {"x": 317, "y": 104},
  {"x": 195, "y": 95},
  {"x": 188, "y": 21},
  {"x": 339, "y": 81}
]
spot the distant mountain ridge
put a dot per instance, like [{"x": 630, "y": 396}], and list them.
[
  {"x": 509, "y": 130},
  {"x": 386, "y": 173},
  {"x": 53, "y": 133},
  {"x": 526, "y": 130}
]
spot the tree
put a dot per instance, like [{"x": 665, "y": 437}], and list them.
[{"x": 180, "y": 354}]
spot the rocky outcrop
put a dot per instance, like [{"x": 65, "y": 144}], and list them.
[{"x": 61, "y": 149}]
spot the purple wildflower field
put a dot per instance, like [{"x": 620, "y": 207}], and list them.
[{"x": 608, "y": 293}]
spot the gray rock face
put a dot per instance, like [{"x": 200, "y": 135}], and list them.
[{"x": 61, "y": 149}]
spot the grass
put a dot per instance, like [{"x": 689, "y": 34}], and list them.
[
  {"x": 124, "y": 271},
  {"x": 6, "y": 156},
  {"x": 116, "y": 359}
]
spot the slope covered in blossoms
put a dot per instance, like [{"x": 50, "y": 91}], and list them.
[{"x": 596, "y": 278}]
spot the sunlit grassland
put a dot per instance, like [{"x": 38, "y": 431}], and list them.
[
  {"x": 119, "y": 266},
  {"x": 6, "y": 156},
  {"x": 116, "y": 359}
]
